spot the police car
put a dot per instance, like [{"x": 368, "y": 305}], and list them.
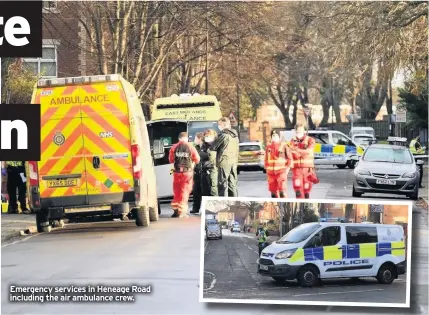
[{"x": 315, "y": 251}]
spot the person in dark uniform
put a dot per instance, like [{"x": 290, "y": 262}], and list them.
[
  {"x": 16, "y": 181},
  {"x": 196, "y": 190},
  {"x": 227, "y": 148},
  {"x": 209, "y": 172}
]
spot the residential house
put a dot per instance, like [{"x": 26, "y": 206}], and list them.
[
  {"x": 211, "y": 215},
  {"x": 225, "y": 215}
]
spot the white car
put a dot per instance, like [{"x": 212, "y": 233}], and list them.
[{"x": 236, "y": 228}]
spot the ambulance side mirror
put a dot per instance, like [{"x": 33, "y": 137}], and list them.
[{"x": 158, "y": 149}]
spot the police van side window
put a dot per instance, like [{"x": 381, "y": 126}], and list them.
[
  {"x": 329, "y": 236},
  {"x": 322, "y": 138},
  {"x": 361, "y": 234}
]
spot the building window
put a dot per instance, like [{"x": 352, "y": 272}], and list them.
[
  {"x": 47, "y": 65},
  {"x": 338, "y": 205},
  {"x": 49, "y": 5}
]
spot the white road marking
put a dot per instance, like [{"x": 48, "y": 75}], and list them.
[
  {"x": 341, "y": 292},
  {"x": 251, "y": 248},
  {"x": 212, "y": 284},
  {"x": 20, "y": 240}
]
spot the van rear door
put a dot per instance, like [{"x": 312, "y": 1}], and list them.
[
  {"x": 166, "y": 131},
  {"x": 62, "y": 165},
  {"x": 107, "y": 141}
]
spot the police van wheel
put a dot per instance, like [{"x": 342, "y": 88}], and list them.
[
  {"x": 308, "y": 276},
  {"x": 351, "y": 164},
  {"x": 279, "y": 280},
  {"x": 341, "y": 166},
  {"x": 154, "y": 214},
  {"x": 386, "y": 274},
  {"x": 142, "y": 216}
]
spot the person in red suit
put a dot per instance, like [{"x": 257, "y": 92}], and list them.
[
  {"x": 278, "y": 161},
  {"x": 184, "y": 156},
  {"x": 303, "y": 175}
]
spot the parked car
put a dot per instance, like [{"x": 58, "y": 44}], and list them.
[
  {"x": 251, "y": 157},
  {"x": 389, "y": 169},
  {"x": 213, "y": 231}
]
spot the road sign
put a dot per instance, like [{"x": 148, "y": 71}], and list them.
[
  {"x": 232, "y": 119},
  {"x": 376, "y": 208},
  {"x": 358, "y": 111},
  {"x": 401, "y": 115}
]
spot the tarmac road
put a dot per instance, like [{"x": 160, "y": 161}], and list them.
[
  {"x": 167, "y": 256},
  {"x": 231, "y": 273},
  {"x": 334, "y": 183}
]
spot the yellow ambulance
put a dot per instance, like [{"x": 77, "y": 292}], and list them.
[{"x": 96, "y": 159}]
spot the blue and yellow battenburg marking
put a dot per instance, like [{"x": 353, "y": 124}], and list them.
[
  {"x": 349, "y": 251},
  {"x": 326, "y": 150}
]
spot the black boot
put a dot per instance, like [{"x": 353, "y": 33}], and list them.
[
  {"x": 307, "y": 196},
  {"x": 298, "y": 194},
  {"x": 175, "y": 214},
  {"x": 273, "y": 195},
  {"x": 282, "y": 194}
]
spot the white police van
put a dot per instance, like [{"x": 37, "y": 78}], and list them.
[{"x": 315, "y": 251}]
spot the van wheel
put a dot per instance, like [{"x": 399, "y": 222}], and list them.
[
  {"x": 42, "y": 223},
  {"x": 308, "y": 276},
  {"x": 341, "y": 166},
  {"x": 154, "y": 213},
  {"x": 279, "y": 280},
  {"x": 355, "y": 193},
  {"x": 386, "y": 274},
  {"x": 142, "y": 216}
]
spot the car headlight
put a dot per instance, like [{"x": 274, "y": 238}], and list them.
[
  {"x": 286, "y": 254},
  {"x": 409, "y": 175},
  {"x": 362, "y": 172}
]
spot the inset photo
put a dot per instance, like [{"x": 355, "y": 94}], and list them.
[{"x": 318, "y": 252}]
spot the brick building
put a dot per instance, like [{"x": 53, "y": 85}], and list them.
[{"x": 64, "y": 43}]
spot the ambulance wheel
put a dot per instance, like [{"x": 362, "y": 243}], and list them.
[
  {"x": 386, "y": 274},
  {"x": 308, "y": 276},
  {"x": 42, "y": 223},
  {"x": 142, "y": 216},
  {"x": 355, "y": 193},
  {"x": 154, "y": 213},
  {"x": 279, "y": 280},
  {"x": 341, "y": 166}
]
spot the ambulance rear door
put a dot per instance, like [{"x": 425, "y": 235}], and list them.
[
  {"x": 168, "y": 132},
  {"x": 62, "y": 177},
  {"x": 107, "y": 141}
]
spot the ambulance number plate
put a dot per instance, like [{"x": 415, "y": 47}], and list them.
[{"x": 62, "y": 183}]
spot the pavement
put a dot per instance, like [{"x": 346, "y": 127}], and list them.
[{"x": 165, "y": 255}]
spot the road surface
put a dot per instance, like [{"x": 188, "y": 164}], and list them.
[
  {"x": 231, "y": 273},
  {"x": 166, "y": 255}
]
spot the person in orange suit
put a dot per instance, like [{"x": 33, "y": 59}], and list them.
[
  {"x": 184, "y": 156},
  {"x": 278, "y": 161},
  {"x": 303, "y": 175}
]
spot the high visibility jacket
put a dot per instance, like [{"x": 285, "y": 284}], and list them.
[
  {"x": 14, "y": 163},
  {"x": 304, "y": 158},
  {"x": 262, "y": 237},
  {"x": 277, "y": 157},
  {"x": 413, "y": 149}
]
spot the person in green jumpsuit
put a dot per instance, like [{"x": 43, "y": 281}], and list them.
[{"x": 226, "y": 146}]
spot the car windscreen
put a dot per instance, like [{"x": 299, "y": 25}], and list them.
[
  {"x": 388, "y": 155},
  {"x": 210, "y": 222},
  {"x": 299, "y": 234},
  {"x": 249, "y": 148},
  {"x": 201, "y": 126},
  {"x": 213, "y": 227}
]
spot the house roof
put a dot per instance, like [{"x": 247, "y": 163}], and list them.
[{"x": 210, "y": 212}]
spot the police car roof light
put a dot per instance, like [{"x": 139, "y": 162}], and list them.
[{"x": 396, "y": 139}]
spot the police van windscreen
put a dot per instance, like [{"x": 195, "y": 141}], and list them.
[
  {"x": 387, "y": 155},
  {"x": 201, "y": 126},
  {"x": 299, "y": 234},
  {"x": 168, "y": 133}
]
